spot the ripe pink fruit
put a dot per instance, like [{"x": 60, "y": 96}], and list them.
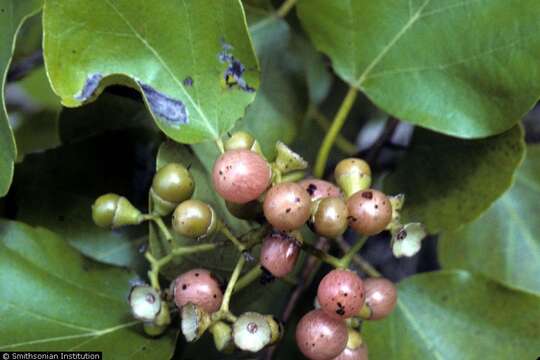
[
  {"x": 318, "y": 189},
  {"x": 381, "y": 297},
  {"x": 199, "y": 287},
  {"x": 287, "y": 206},
  {"x": 370, "y": 212},
  {"x": 241, "y": 176},
  {"x": 341, "y": 294},
  {"x": 321, "y": 337},
  {"x": 279, "y": 253}
]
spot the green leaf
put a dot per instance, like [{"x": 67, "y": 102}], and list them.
[
  {"x": 449, "y": 182},
  {"x": 56, "y": 189},
  {"x": 55, "y": 299},
  {"x": 508, "y": 231},
  {"x": 456, "y": 315},
  {"x": 435, "y": 63},
  {"x": 12, "y": 15},
  {"x": 176, "y": 53}
]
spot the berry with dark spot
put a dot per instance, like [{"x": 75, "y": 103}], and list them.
[
  {"x": 341, "y": 293},
  {"x": 240, "y": 176},
  {"x": 200, "y": 287},
  {"x": 370, "y": 212},
  {"x": 318, "y": 189},
  {"x": 279, "y": 254},
  {"x": 287, "y": 206},
  {"x": 321, "y": 337}
]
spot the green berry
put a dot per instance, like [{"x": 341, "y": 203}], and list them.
[
  {"x": 112, "y": 210},
  {"x": 352, "y": 175},
  {"x": 172, "y": 184},
  {"x": 330, "y": 217},
  {"x": 252, "y": 332},
  {"x": 194, "y": 219},
  {"x": 239, "y": 140}
]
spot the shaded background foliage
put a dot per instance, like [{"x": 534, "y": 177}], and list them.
[{"x": 470, "y": 170}]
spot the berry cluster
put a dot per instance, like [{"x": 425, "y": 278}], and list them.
[{"x": 277, "y": 201}]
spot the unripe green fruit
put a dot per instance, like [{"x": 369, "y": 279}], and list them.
[
  {"x": 172, "y": 184},
  {"x": 352, "y": 175},
  {"x": 145, "y": 303},
  {"x": 239, "y": 140},
  {"x": 112, "y": 210},
  {"x": 330, "y": 217},
  {"x": 194, "y": 219}
]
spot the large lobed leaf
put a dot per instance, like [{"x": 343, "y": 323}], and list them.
[
  {"x": 465, "y": 68},
  {"x": 508, "y": 234},
  {"x": 176, "y": 53},
  {"x": 449, "y": 182},
  {"x": 456, "y": 315},
  {"x": 53, "y": 298},
  {"x": 12, "y": 15}
]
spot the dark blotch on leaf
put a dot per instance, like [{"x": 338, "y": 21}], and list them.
[
  {"x": 90, "y": 87},
  {"x": 172, "y": 110},
  {"x": 188, "y": 81},
  {"x": 235, "y": 70}
]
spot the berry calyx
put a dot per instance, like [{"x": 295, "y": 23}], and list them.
[
  {"x": 287, "y": 160},
  {"x": 287, "y": 206},
  {"x": 112, "y": 210},
  {"x": 171, "y": 185},
  {"x": 252, "y": 332},
  {"x": 330, "y": 218},
  {"x": 195, "y": 321},
  {"x": 356, "y": 348},
  {"x": 279, "y": 253},
  {"x": 240, "y": 176},
  {"x": 352, "y": 175},
  {"x": 194, "y": 219},
  {"x": 318, "y": 189},
  {"x": 370, "y": 212},
  {"x": 381, "y": 297},
  {"x": 222, "y": 334},
  {"x": 321, "y": 337},
  {"x": 341, "y": 294},
  {"x": 200, "y": 287}
]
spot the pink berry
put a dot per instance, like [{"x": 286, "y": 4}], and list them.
[
  {"x": 381, "y": 297},
  {"x": 321, "y": 337},
  {"x": 241, "y": 176},
  {"x": 318, "y": 189},
  {"x": 370, "y": 212},
  {"x": 287, "y": 206},
  {"x": 360, "y": 353},
  {"x": 199, "y": 287},
  {"x": 279, "y": 253},
  {"x": 341, "y": 294}
]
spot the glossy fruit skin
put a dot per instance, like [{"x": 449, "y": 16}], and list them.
[
  {"x": 112, "y": 211},
  {"x": 360, "y": 353},
  {"x": 239, "y": 140},
  {"x": 287, "y": 206},
  {"x": 318, "y": 189},
  {"x": 330, "y": 218},
  {"x": 341, "y": 293},
  {"x": 240, "y": 176},
  {"x": 370, "y": 212},
  {"x": 321, "y": 337},
  {"x": 352, "y": 175},
  {"x": 173, "y": 183},
  {"x": 381, "y": 297},
  {"x": 194, "y": 219},
  {"x": 279, "y": 254},
  {"x": 199, "y": 287}
]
